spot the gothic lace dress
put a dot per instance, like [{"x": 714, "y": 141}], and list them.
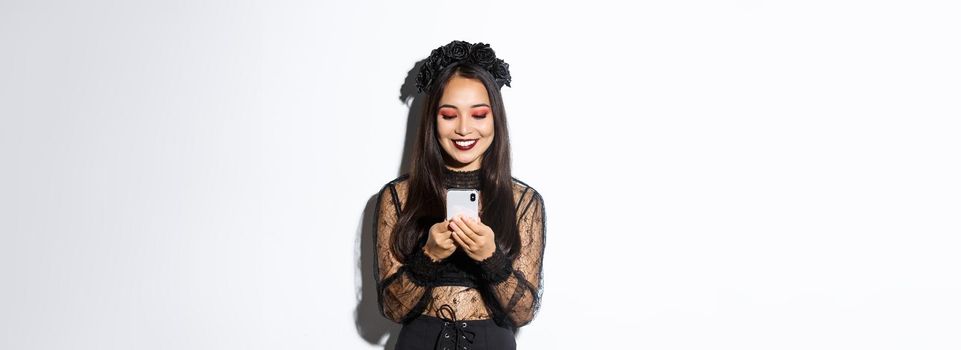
[{"x": 507, "y": 291}]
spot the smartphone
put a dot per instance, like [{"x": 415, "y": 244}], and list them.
[{"x": 462, "y": 201}]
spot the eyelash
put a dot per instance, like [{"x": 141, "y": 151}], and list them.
[{"x": 449, "y": 117}]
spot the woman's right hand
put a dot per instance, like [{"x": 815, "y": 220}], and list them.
[{"x": 439, "y": 244}]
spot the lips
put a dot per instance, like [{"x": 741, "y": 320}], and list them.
[{"x": 465, "y": 145}]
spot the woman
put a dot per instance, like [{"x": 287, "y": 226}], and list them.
[{"x": 460, "y": 283}]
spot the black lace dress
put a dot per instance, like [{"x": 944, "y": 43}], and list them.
[{"x": 500, "y": 291}]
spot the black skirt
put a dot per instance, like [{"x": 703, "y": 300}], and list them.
[{"x": 430, "y": 333}]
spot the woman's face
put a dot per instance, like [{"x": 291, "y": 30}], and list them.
[{"x": 465, "y": 124}]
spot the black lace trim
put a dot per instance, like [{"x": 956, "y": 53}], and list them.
[
  {"x": 424, "y": 271},
  {"x": 462, "y": 179},
  {"x": 496, "y": 268}
]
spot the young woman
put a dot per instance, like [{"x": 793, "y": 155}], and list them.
[{"x": 460, "y": 283}]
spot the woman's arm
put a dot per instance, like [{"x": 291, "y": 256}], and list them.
[
  {"x": 518, "y": 285},
  {"x": 403, "y": 288}
]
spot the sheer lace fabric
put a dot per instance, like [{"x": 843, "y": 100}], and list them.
[{"x": 507, "y": 291}]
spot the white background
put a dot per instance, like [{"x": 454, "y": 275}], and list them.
[{"x": 717, "y": 175}]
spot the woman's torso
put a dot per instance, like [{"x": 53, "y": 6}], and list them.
[{"x": 466, "y": 301}]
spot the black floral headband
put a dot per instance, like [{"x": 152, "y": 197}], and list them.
[{"x": 480, "y": 54}]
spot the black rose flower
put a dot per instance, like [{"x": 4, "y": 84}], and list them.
[
  {"x": 482, "y": 54},
  {"x": 424, "y": 77},
  {"x": 457, "y": 50},
  {"x": 502, "y": 72},
  {"x": 441, "y": 62},
  {"x": 431, "y": 61}
]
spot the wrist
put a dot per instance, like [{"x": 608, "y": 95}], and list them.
[
  {"x": 487, "y": 256},
  {"x": 434, "y": 257},
  {"x": 496, "y": 267}
]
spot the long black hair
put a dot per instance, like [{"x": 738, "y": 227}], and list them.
[{"x": 424, "y": 206}]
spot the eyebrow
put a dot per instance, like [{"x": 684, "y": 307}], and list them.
[{"x": 474, "y": 106}]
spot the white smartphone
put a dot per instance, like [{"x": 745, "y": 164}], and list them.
[{"x": 462, "y": 201}]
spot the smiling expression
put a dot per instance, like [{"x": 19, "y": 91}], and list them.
[{"x": 465, "y": 124}]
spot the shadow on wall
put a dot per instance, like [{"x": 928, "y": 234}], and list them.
[{"x": 371, "y": 325}]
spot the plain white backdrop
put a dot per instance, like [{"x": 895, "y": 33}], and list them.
[{"x": 717, "y": 174}]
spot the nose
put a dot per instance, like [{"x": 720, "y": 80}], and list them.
[{"x": 463, "y": 126}]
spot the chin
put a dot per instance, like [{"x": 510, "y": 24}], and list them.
[{"x": 465, "y": 161}]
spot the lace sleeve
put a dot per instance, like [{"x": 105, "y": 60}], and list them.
[
  {"x": 403, "y": 289},
  {"x": 518, "y": 285}
]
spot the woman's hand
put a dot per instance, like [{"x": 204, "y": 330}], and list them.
[
  {"x": 474, "y": 237},
  {"x": 439, "y": 243}
]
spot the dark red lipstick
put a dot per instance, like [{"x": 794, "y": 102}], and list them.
[{"x": 465, "y": 145}]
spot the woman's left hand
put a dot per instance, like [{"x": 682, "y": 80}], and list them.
[{"x": 474, "y": 237}]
